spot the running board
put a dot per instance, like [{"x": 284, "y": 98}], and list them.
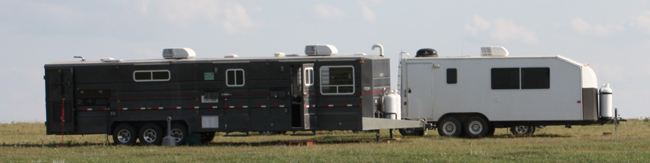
[{"x": 383, "y": 123}]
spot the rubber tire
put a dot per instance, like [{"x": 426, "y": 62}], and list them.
[
  {"x": 152, "y": 131},
  {"x": 491, "y": 130},
  {"x": 128, "y": 131},
  {"x": 413, "y": 132},
  {"x": 516, "y": 130},
  {"x": 457, "y": 126},
  {"x": 478, "y": 123},
  {"x": 268, "y": 133},
  {"x": 207, "y": 137},
  {"x": 179, "y": 130}
]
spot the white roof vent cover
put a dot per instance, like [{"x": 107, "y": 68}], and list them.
[
  {"x": 497, "y": 51},
  {"x": 178, "y": 53},
  {"x": 321, "y": 50},
  {"x": 231, "y": 56},
  {"x": 109, "y": 59}
]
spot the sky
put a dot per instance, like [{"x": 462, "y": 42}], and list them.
[{"x": 613, "y": 37}]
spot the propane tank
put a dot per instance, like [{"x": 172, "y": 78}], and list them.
[
  {"x": 606, "y": 102},
  {"x": 392, "y": 105}
]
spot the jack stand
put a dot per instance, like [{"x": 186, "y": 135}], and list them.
[
  {"x": 378, "y": 139},
  {"x": 391, "y": 133},
  {"x": 169, "y": 140},
  {"x": 616, "y": 121}
]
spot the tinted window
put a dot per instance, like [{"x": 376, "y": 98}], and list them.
[
  {"x": 535, "y": 78},
  {"x": 452, "y": 76},
  {"x": 505, "y": 78},
  {"x": 142, "y": 75},
  {"x": 161, "y": 75},
  {"x": 309, "y": 76},
  {"x": 337, "y": 79},
  {"x": 151, "y": 75},
  {"x": 235, "y": 77}
]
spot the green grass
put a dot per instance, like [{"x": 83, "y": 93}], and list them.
[{"x": 27, "y": 142}]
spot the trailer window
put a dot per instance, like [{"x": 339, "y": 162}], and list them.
[
  {"x": 452, "y": 76},
  {"x": 505, "y": 78},
  {"x": 309, "y": 76},
  {"x": 235, "y": 77},
  {"x": 151, "y": 75},
  {"x": 337, "y": 80},
  {"x": 535, "y": 78}
]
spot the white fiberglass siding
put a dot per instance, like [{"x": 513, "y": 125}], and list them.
[{"x": 473, "y": 92}]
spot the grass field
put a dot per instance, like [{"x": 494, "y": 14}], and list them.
[{"x": 27, "y": 142}]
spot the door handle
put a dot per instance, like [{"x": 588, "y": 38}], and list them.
[{"x": 226, "y": 94}]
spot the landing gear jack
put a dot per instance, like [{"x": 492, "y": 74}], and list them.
[{"x": 379, "y": 138}]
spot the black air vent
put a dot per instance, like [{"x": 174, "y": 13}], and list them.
[{"x": 426, "y": 52}]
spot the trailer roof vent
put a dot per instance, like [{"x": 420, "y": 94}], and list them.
[
  {"x": 426, "y": 52},
  {"x": 320, "y": 50},
  {"x": 109, "y": 59},
  {"x": 178, "y": 53},
  {"x": 496, "y": 51},
  {"x": 279, "y": 54},
  {"x": 231, "y": 56}
]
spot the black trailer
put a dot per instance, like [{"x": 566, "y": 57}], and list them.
[{"x": 132, "y": 99}]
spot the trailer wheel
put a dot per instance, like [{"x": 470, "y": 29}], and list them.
[
  {"x": 267, "y": 132},
  {"x": 207, "y": 137},
  {"x": 151, "y": 134},
  {"x": 450, "y": 126},
  {"x": 124, "y": 134},
  {"x": 522, "y": 130},
  {"x": 476, "y": 127},
  {"x": 413, "y": 132},
  {"x": 179, "y": 132},
  {"x": 491, "y": 130}
]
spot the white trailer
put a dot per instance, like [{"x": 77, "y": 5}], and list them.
[{"x": 470, "y": 96}]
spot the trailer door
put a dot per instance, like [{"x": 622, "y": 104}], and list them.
[
  {"x": 308, "y": 92},
  {"x": 419, "y": 89},
  {"x": 60, "y": 98}
]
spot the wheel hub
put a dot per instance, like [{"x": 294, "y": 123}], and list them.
[
  {"x": 475, "y": 127},
  {"x": 177, "y": 134},
  {"x": 124, "y": 136},
  {"x": 149, "y": 135},
  {"x": 522, "y": 129},
  {"x": 450, "y": 128}
]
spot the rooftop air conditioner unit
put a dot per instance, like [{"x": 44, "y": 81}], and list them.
[
  {"x": 178, "y": 53},
  {"x": 496, "y": 51},
  {"x": 320, "y": 50}
]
